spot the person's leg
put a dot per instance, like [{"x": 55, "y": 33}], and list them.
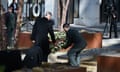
[
  {"x": 12, "y": 39},
  {"x": 79, "y": 48},
  {"x": 46, "y": 50},
  {"x": 115, "y": 30},
  {"x": 78, "y": 58},
  {"x": 9, "y": 37},
  {"x": 72, "y": 57},
  {"x": 15, "y": 27},
  {"x": 110, "y": 32}
]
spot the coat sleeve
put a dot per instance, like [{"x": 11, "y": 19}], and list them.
[
  {"x": 51, "y": 32},
  {"x": 34, "y": 30},
  {"x": 69, "y": 40}
]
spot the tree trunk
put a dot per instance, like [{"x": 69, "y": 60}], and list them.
[
  {"x": 21, "y": 2},
  {"x": 19, "y": 16},
  {"x": 65, "y": 4},
  {"x": 3, "y": 39}
]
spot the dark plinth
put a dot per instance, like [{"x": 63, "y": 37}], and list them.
[
  {"x": 55, "y": 68},
  {"x": 65, "y": 68},
  {"x": 81, "y": 69},
  {"x": 108, "y": 63}
]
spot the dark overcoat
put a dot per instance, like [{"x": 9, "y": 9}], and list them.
[{"x": 40, "y": 31}]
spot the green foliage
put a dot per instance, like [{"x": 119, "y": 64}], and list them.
[
  {"x": 60, "y": 41},
  {"x": 60, "y": 35}
]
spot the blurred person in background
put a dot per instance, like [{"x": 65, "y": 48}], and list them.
[
  {"x": 10, "y": 24},
  {"x": 15, "y": 8}
]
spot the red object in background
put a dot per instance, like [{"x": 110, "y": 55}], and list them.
[
  {"x": 24, "y": 41},
  {"x": 94, "y": 40},
  {"x": 108, "y": 64}
]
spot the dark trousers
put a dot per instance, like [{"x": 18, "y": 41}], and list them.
[
  {"x": 46, "y": 50},
  {"x": 44, "y": 45},
  {"x": 74, "y": 54},
  {"x": 10, "y": 35},
  {"x": 113, "y": 26}
]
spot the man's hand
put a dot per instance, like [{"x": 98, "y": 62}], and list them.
[
  {"x": 66, "y": 49},
  {"x": 55, "y": 44},
  {"x": 62, "y": 50}
]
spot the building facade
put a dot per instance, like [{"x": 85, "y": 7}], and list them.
[{"x": 80, "y": 12}]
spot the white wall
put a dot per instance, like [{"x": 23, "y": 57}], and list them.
[{"x": 88, "y": 13}]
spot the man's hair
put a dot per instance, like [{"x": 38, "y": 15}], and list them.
[
  {"x": 48, "y": 13},
  {"x": 66, "y": 25}
]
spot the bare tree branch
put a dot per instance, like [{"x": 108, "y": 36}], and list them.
[{"x": 65, "y": 4}]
